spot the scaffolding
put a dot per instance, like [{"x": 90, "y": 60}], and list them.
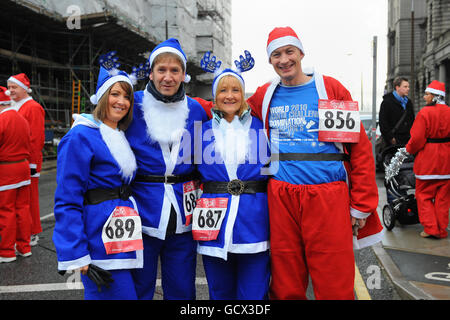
[{"x": 62, "y": 62}]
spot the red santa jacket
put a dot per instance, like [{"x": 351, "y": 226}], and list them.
[
  {"x": 432, "y": 160},
  {"x": 360, "y": 168},
  {"x": 35, "y": 115},
  {"x": 14, "y": 150}
]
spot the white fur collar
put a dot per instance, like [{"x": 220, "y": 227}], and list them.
[
  {"x": 165, "y": 121},
  {"x": 232, "y": 140},
  {"x": 120, "y": 150},
  {"x": 116, "y": 142}
]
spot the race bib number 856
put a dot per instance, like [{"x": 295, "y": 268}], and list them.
[{"x": 339, "y": 121}]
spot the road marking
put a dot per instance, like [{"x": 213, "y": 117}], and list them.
[
  {"x": 42, "y": 287},
  {"x": 65, "y": 286},
  {"x": 50, "y": 215},
  {"x": 360, "y": 287}
]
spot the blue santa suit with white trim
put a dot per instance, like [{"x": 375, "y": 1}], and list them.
[
  {"x": 94, "y": 156},
  {"x": 162, "y": 137},
  {"x": 237, "y": 262},
  {"x": 85, "y": 162}
]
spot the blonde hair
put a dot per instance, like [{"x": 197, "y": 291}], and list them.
[
  {"x": 99, "y": 112},
  {"x": 244, "y": 105}
]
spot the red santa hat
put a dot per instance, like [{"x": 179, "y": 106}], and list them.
[
  {"x": 280, "y": 37},
  {"x": 22, "y": 81},
  {"x": 437, "y": 88},
  {"x": 4, "y": 98}
]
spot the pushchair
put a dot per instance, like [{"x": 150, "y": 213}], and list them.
[{"x": 401, "y": 201}]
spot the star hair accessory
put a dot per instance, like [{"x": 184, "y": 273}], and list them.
[
  {"x": 110, "y": 74},
  {"x": 141, "y": 72},
  {"x": 210, "y": 64},
  {"x": 109, "y": 62},
  {"x": 245, "y": 64}
]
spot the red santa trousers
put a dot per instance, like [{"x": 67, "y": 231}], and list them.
[
  {"x": 433, "y": 203},
  {"x": 15, "y": 221},
  {"x": 311, "y": 234},
  {"x": 36, "y": 227}
]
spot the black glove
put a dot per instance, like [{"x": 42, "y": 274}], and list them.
[{"x": 99, "y": 276}]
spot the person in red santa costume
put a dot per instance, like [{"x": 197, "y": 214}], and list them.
[
  {"x": 321, "y": 193},
  {"x": 430, "y": 143},
  {"x": 19, "y": 90},
  {"x": 15, "y": 219}
]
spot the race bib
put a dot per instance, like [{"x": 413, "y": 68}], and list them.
[
  {"x": 122, "y": 231},
  {"x": 208, "y": 217},
  {"x": 339, "y": 121},
  {"x": 191, "y": 193}
]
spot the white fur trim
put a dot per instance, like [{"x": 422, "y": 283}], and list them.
[
  {"x": 433, "y": 177},
  {"x": 232, "y": 141},
  {"x": 164, "y": 50},
  {"x": 15, "y": 185},
  {"x": 217, "y": 80},
  {"x": 19, "y": 83},
  {"x": 166, "y": 122},
  {"x": 359, "y": 214},
  {"x": 435, "y": 92},
  {"x": 284, "y": 41},
  {"x": 120, "y": 150},
  {"x": 108, "y": 83}
]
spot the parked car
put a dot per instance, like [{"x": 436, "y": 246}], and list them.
[{"x": 366, "y": 120}]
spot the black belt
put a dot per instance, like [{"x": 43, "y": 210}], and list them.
[
  {"x": 311, "y": 157},
  {"x": 438, "y": 140},
  {"x": 235, "y": 187},
  {"x": 172, "y": 179},
  {"x": 96, "y": 196}
]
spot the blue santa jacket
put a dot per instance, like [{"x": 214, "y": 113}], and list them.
[
  {"x": 85, "y": 162},
  {"x": 245, "y": 228},
  {"x": 155, "y": 199}
]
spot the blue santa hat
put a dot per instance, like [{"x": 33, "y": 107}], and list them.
[
  {"x": 171, "y": 45},
  {"x": 227, "y": 72},
  {"x": 209, "y": 64},
  {"x": 110, "y": 74}
]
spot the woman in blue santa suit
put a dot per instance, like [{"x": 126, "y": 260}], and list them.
[
  {"x": 231, "y": 219},
  {"x": 98, "y": 229},
  {"x": 162, "y": 138}
]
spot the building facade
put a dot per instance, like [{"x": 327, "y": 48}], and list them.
[
  {"x": 419, "y": 44},
  {"x": 57, "y": 43}
]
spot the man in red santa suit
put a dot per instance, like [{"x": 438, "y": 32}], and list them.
[
  {"x": 19, "y": 90},
  {"x": 430, "y": 143},
  {"x": 321, "y": 190},
  {"x": 15, "y": 219}
]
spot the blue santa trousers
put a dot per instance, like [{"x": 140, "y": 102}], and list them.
[
  {"x": 121, "y": 289},
  {"x": 178, "y": 255},
  {"x": 240, "y": 277}
]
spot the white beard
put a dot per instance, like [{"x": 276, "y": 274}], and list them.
[
  {"x": 166, "y": 122},
  {"x": 120, "y": 149}
]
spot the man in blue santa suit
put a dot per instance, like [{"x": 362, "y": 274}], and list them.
[{"x": 162, "y": 138}]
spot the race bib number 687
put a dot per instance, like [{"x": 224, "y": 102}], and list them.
[{"x": 339, "y": 121}]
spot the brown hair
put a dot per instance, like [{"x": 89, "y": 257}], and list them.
[
  {"x": 398, "y": 81},
  {"x": 99, "y": 112},
  {"x": 168, "y": 55},
  {"x": 244, "y": 105}
]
